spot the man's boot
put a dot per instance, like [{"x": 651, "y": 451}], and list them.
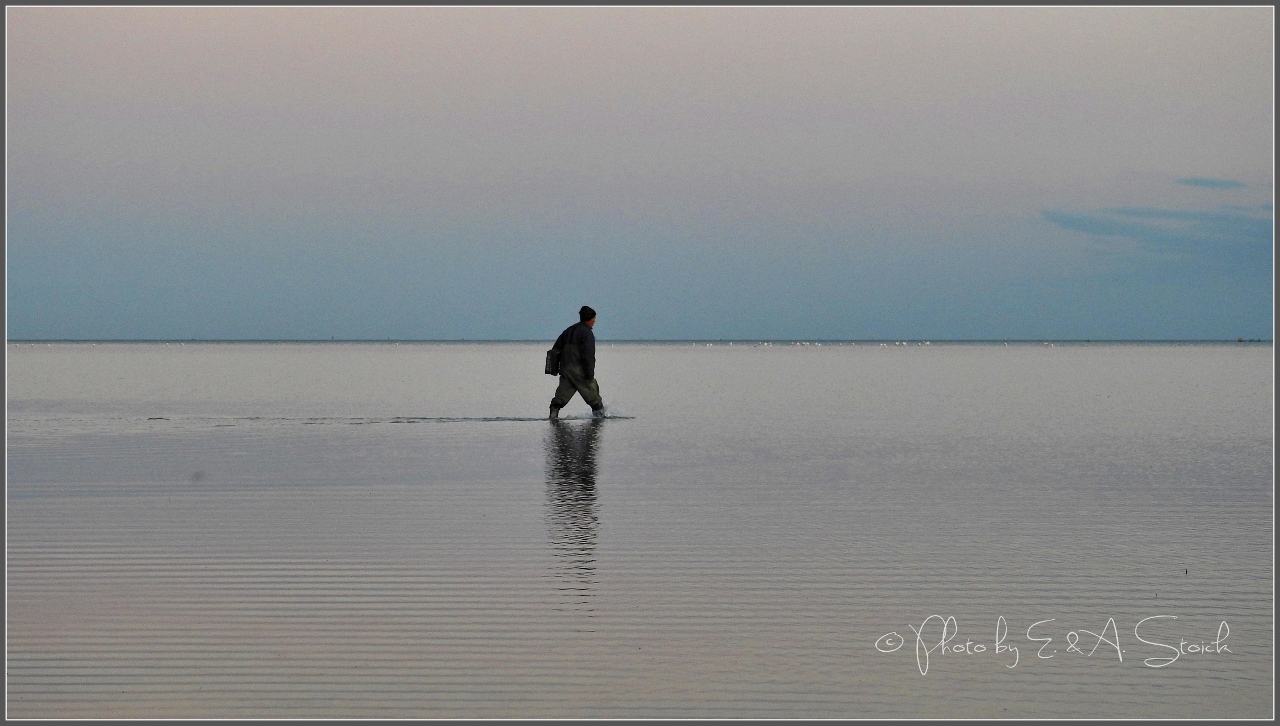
[{"x": 555, "y": 413}]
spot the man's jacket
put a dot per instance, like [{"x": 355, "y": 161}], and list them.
[{"x": 577, "y": 346}]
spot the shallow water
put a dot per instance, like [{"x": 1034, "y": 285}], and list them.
[{"x": 293, "y": 530}]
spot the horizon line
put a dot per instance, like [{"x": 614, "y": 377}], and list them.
[{"x": 643, "y": 340}]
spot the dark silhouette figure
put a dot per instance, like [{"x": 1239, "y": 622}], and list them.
[{"x": 571, "y": 507}]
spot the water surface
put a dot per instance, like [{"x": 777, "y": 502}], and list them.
[{"x": 294, "y": 530}]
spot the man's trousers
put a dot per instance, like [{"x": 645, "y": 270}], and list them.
[{"x": 572, "y": 382}]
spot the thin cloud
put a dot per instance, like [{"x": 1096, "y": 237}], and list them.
[
  {"x": 1227, "y": 236},
  {"x": 1197, "y": 181}
]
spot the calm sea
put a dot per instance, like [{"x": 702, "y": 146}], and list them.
[{"x": 392, "y": 530}]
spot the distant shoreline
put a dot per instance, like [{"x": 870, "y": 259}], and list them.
[{"x": 736, "y": 341}]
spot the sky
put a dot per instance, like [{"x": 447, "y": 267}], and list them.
[{"x": 822, "y": 173}]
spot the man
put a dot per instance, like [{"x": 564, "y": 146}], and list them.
[{"x": 577, "y": 346}]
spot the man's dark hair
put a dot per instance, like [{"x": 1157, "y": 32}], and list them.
[{"x": 586, "y": 313}]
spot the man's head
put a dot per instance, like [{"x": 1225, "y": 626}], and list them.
[{"x": 587, "y": 315}]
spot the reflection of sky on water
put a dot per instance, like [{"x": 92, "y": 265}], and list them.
[
  {"x": 571, "y": 507},
  {"x": 368, "y": 541}
]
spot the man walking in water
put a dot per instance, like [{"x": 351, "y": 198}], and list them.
[{"x": 577, "y": 346}]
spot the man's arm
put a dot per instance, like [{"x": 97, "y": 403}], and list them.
[
  {"x": 589, "y": 354},
  {"x": 559, "y": 344}
]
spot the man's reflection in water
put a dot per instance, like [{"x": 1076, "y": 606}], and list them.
[{"x": 571, "y": 507}]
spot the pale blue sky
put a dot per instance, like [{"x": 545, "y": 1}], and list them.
[{"x": 822, "y": 173}]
